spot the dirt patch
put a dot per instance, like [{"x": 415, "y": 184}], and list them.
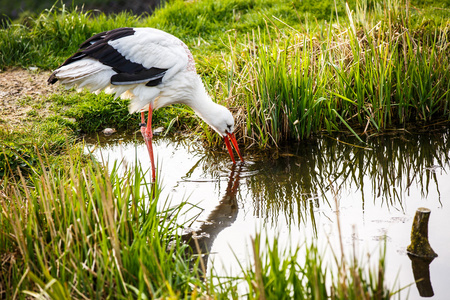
[{"x": 21, "y": 95}]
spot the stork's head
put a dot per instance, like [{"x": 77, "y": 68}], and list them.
[{"x": 222, "y": 121}]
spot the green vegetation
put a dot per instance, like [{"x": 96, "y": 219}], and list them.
[
  {"x": 19, "y": 147},
  {"x": 366, "y": 76},
  {"x": 370, "y": 67},
  {"x": 288, "y": 69},
  {"x": 73, "y": 235},
  {"x": 83, "y": 231},
  {"x": 278, "y": 275}
]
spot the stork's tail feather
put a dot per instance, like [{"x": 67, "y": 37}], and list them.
[
  {"x": 95, "y": 76},
  {"x": 87, "y": 73}
]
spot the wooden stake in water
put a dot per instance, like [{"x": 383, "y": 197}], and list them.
[{"x": 419, "y": 235}]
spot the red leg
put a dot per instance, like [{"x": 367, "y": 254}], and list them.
[{"x": 147, "y": 134}]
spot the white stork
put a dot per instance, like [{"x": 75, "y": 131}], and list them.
[{"x": 151, "y": 68}]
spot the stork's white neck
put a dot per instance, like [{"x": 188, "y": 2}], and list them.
[
  {"x": 214, "y": 114},
  {"x": 202, "y": 103}
]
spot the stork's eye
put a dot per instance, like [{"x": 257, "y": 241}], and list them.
[{"x": 229, "y": 128}]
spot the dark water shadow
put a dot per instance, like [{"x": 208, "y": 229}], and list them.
[{"x": 201, "y": 240}]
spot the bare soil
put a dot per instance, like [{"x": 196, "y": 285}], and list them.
[{"x": 22, "y": 94}]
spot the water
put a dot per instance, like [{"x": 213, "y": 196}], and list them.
[{"x": 295, "y": 193}]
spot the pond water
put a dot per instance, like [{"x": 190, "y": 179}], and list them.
[{"x": 294, "y": 194}]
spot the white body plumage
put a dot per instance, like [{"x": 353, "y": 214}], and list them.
[{"x": 147, "y": 66}]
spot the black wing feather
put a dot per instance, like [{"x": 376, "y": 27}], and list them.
[
  {"x": 129, "y": 72},
  {"x": 154, "y": 74}
]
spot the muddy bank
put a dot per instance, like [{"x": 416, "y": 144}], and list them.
[{"x": 21, "y": 95}]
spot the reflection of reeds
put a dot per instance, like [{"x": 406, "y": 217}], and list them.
[{"x": 297, "y": 183}]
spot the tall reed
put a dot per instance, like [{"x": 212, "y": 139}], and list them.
[
  {"x": 373, "y": 70},
  {"x": 86, "y": 232},
  {"x": 277, "y": 273}
]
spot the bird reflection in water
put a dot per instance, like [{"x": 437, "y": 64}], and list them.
[{"x": 201, "y": 240}]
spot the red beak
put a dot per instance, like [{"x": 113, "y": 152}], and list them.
[{"x": 227, "y": 138}]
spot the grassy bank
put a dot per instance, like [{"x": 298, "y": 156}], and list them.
[
  {"x": 289, "y": 71},
  {"x": 84, "y": 232},
  {"x": 374, "y": 70}
]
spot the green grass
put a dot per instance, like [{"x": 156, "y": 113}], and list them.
[
  {"x": 370, "y": 67},
  {"x": 286, "y": 72},
  {"x": 62, "y": 30},
  {"x": 83, "y": 231},
  {"x": 365, "y": 75},
  {"x": 19, "y": 147},
  {"x": 288, "y": 69},
  {"x": 277, "y": 274},
  {"x": 93, "y": 113}
]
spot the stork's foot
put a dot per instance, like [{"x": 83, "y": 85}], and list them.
[{"x": 146, "y": 132}]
